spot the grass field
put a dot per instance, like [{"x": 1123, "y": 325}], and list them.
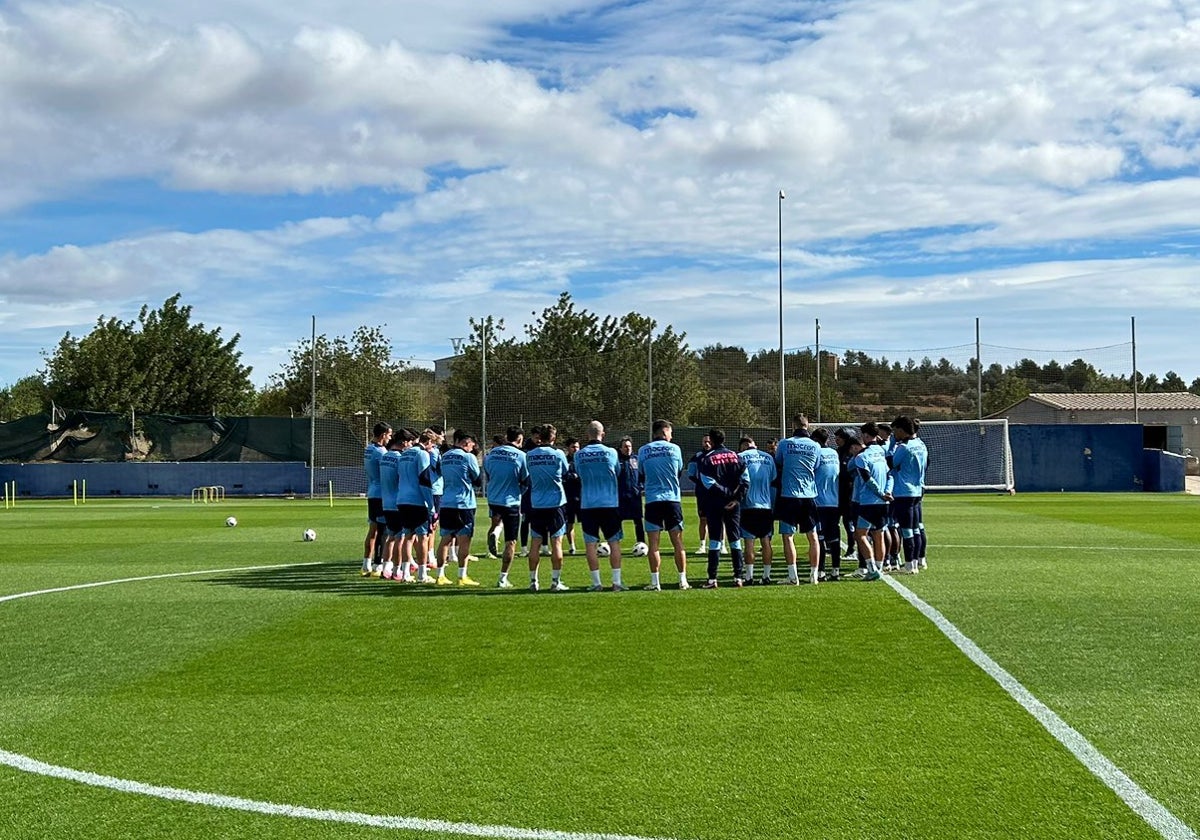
[{"x": 835, "y": 711}]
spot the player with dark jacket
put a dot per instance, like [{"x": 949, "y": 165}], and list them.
[{"x": 722, "y": 477}]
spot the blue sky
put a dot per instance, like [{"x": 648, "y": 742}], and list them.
[{"x": 414, "y": 164}]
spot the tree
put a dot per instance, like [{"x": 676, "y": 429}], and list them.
[
  {"x": 1008, "y": 392},
  {"x": 28, "y": 395},
  {"x": 1173, "y": 383},
  {"x": 572, "y": 367},
  {"x": 355, "y": 376},
  {"x": 159, "y": 364}
]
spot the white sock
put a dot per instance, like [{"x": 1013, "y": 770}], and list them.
[
  {"x": 387, "y": 569},
  {"x": 596, "y": 578},
  {"x": 792, "y": 572},
  {"x": 617, "y": 577},
  {"x": 654, "y": 579},
  {"x": 749, "y": 571},
  {"x": 766, "y": 572},
  {"x": 366, "y": 564},
  {"x": 462, "y": 572},
  {"x": 453, "y": 553},
  {"x": 555, "y": 575},
  {"x": 504, "y": 576}
]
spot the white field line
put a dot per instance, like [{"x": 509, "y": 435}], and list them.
[
  {"x": 216, "y": 800},
  {"x": 1142, "y": 803},
  {"x": 4, "y": 598}
]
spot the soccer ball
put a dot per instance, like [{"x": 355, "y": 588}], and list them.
[
  {"x": 310, "y": 535},
  {"x": 602, "y": 549},
  {"x": 231, "y": 522},
  {"x": 640, "y": 549}
]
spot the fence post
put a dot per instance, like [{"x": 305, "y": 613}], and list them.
[
  {"x": 650, "y": 381},
  {"x": 312, "y": 419},
  {"x": 978, "y": 371},
  {"x": 1133, "y": 345}
]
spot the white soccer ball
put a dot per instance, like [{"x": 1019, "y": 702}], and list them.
[
  {"x": 602, "y": 549},
  {"x": 640, "y": 549},
  {"x": 231, "y": 522},
  {"x": 310, "y": 535}
]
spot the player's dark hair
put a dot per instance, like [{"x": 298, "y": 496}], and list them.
[
  {"x": 498, "y": 440},
  {"x": 746, "y": 441},
  {"x": 869, "y": 430},
  {"x": 661, "y": 426},
  {"x": 717, "y": 436},
  {"x": 905, "y": 424},
  {"x": 566, "y": 444},
  {"x": 800, "y": 421},
  {"x": 513, "y": 433},
  {"x": 380, "y": 429},
  {"x": 820, "y": 435},
  {"x": 885, "y": 429}
]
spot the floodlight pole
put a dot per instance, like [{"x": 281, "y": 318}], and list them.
[
  {"x": 782, "y": 372},
  {"x": 818, "y": 337},
  {"x": 483, "y": 383},
  {"x": 312, "y": 419}
]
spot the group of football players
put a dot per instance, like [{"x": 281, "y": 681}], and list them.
[{"x": 868, "y": 480}]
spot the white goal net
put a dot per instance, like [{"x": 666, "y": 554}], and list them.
[{"x": 968, "y": 455}]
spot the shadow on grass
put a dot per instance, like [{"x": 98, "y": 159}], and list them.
[{"x": 343, "y": 578}]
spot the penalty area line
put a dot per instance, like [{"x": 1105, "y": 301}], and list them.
[
  {"x": 27, "y": 764},
  {"x": 1131, "y": 793}
]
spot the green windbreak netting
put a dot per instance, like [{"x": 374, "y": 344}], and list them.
[{"x": 101, "y": 436}]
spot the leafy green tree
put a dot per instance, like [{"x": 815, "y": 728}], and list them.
[
  {"x": 28, "y": 395},
  {"x": 1008, "y": 392},
  {"x": 1173, "y": 383},
  {"x": 574, "y": 366},
  {"x": 356, "y": 376},
  {"x": 160, "y": 363}
]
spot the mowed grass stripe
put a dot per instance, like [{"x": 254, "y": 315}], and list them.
[
  {"x": 843, "y": 775},
  {"x": 1144, "y": 805},
  {"x": 1109, "y": 640},
  {"x": 599, "y": 719}
]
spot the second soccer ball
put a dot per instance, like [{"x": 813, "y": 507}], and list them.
[
  {"x": 309, "y": 535},
  {"x": 640, "y": 549}
]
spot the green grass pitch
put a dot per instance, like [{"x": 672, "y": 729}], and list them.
[{"x": 835, "y": 711}]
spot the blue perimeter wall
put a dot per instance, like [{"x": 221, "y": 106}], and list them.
[
  {"x": 1090, "y": 458},
  {"x": 239, "y": 478}
]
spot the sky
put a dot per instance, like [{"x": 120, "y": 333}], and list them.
[{"x": 416, "y": 164}]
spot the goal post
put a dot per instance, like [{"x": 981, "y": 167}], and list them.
[{"x": 968, "y": 455}]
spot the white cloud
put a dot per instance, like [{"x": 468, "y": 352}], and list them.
[{"x": 646, "y": 151}]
